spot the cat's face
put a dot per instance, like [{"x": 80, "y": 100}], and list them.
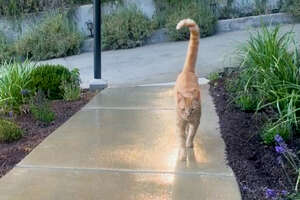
[{"x": 188, "y": 105}]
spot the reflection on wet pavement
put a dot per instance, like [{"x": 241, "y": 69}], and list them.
[{"x": 124, "y": 141}]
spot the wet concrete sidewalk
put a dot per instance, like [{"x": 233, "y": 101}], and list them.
[{"x": 123, "y": 146}]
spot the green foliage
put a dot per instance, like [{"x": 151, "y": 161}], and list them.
[
  {"x": 127, "y": 27},
  {"x": 270, "y": 72},
  {"x": 292, "y": 7},
  {"x": 15, "y": 80},
  {"x": 260, "y": 7},
  {"x": 213, "y": 76},
  {"x": 6, "y": 49},
  {"x": 40, "y": 109},
  {"x": 270, "y": 130},
  {"x": 71, "y": 90},
  {"x": 49, "y": 78},
  {"x": 295, "y": 196},
  {"x": 198, "y": 11},
  {"x": 9, "y": 131},
  {"x": 247, "y": 102},
  {"x": 18, "y": 7},
  {"x": 162, "y": 10},
  {"x": 56, "y": 36}
]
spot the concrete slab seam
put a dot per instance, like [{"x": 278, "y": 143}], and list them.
[{"x": 99, "y": 170}]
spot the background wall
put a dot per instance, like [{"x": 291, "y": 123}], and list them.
[{"x": 14, "y": 28}]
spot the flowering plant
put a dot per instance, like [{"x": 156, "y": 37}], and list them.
[{"x": 284, "y": 152}]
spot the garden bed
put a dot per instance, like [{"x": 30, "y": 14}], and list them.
[
  {"x": 255, "y": 165},
  {"x": 35, "y": 132}
]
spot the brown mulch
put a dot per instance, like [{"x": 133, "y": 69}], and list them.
[
  {"x": 35, "y": 132},
  {"x": 254, "y": 164}
]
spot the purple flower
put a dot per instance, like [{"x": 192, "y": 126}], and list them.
[
  {"x": 281, "y": 142},
  {"x": 270, "y": 194},
  {"x": 284, "y": 193},
  {"x": 280, "y": 149},
  {"x": 10, "y": 114},
  {"x": 279, "y": 139},
  {"x": 245, "y": 188}
]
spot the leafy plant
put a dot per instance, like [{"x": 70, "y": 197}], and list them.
[
  {"x": 40, "y": 109},
  {"x": 9, "y": 131},
  {"x": 49, "y": 78},
  {"x": 270, "y": 130},
  {"x": 15, "y": 79},
  {"x": 127, "y": 27},
  {"x": 17, "y": 7},
  {"x": 71, "y": 90},
  {"x": 292, "y": 7},
  {"x": 56, "y": 36},
  {"x": 260, "y": 7},
  {"x": 198, "y": 11},
  {"x": 6, "y": 49},
  {"x": 270, "y": 71},
  {"x": 247, "y": 102},
  {"x": 213, "y": 76},
  {"x": 293, "y": 161}
]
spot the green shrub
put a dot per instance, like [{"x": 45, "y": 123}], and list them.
[
  {"x": 54, "y": 37},
  {"x": 14, "y": 84},
  {"x": 270, "y": 130},
  {"x": 127, "y": 27},
  {"x": 17, "y": 7},
  {"x": 270, "y": 71},
  {"x": 247, "y": 102},
  {"x": 200, "y": 12},
  {"x": 9, "y": 131},
  {"x": 49, "y": 78},
  {"x": 162, "y": 10},
  {"x": 213, "y": 76},
  {"x": 71, "y": 90},
  {"x": 292, "y": 7},
  {"x": 6, "y": 49},
  {"x": 40, "y": 109}
]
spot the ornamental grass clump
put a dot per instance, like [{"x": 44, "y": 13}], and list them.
[
  {"x": 269, "y": 72},
  {"x": 15, "y": 79},
  {"x": 9, "y": 131},
  {"x": 71, "y": 89}
]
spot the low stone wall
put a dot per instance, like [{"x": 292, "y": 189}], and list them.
[
  {"x": 253, "y": 21},
  {"x": 228, "y": 25},
  {"x": 13, "y": 28}
]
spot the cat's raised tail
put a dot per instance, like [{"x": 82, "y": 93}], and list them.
[{"x": 191, "y": 58}]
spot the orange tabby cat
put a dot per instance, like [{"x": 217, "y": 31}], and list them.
[{"x": 187, "y": 91}]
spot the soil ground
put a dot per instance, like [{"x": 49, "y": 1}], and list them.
[
  {"x": 35, "y": 132},
  {"x": 254, "y": 164}
]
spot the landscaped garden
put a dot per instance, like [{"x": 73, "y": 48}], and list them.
[
  {"x": 34, "y": 101},
  {"x": 258, "y": 105},
  {"x": 124, "y": 26}
]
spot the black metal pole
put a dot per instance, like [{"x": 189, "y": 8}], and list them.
[{"x": 97, "y": 39}]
